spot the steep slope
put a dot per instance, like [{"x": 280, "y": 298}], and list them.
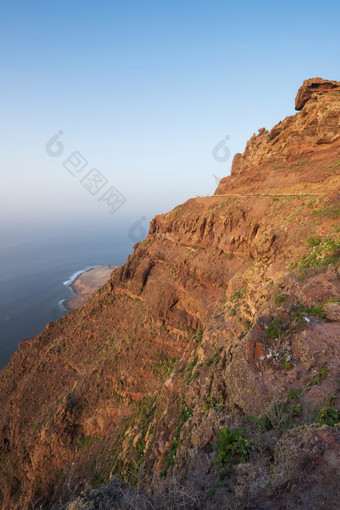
[{"x": 227, "y": 315}]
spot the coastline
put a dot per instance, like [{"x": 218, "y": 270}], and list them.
[{"x": 84, "y": 283}]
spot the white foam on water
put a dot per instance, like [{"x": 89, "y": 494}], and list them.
[
  {"x": 68, "y": 284},
  {"x": 76, "y": 274},
  {"x": 61, "y": 305}
]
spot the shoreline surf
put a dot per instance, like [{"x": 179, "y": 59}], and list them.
[{"x": 83, "y": 283}]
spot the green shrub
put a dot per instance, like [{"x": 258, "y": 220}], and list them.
[
  {"x": 293, "y": 395},
  {"x": 164, "y": 367},
  {"x": 324, "y": 251},
  {"x": 214, "y": 488},
  {"x": 311, "y": 202},
  {"x": 330, "y": 399},
  {"x": 190, "y": 367},
  {"x": 262, "y": 422},
  {"x": 170, "y": 456},
  {"x": 279, "y": 414},
  {"x": 236, "y": 296},
  {"x": 84, "y": 442},
  {"x": 328, "y": 416},
  {"x": 321, "y": 374},
  {"x": 297, "y": 317},
  {"x": 317, "y": 311},
  {"x": 274, "y": 329},
  {"x": 213, "y": 403},
  {"x": 232, "y": 446},
  {"x": 313, "y": 241},
  {"x": 185, "y": 413},
  {"x": 198, "y": 335},
  {"x": 281, "y": 298},
  {"x": 246, "y": 324},
  {"x": 139, "y": 448},
  {"x": 286, "y": 364},
  {"x": 331, "y": 211}
]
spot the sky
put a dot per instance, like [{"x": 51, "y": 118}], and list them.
[{"x": 142, "y": 93}]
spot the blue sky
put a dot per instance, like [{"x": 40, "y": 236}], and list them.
[{"x": 144, "y": 90}]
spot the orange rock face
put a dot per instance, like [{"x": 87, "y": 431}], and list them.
[
  {"x": 228, "y": 309},
  {"x": 313, "y": 86},
  {"x": 299, "y": 155}
]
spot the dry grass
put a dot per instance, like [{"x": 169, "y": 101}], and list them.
[{"x": 163, "y": 494}]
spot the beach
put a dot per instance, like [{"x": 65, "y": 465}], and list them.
[{"x": 86, "y": 284}]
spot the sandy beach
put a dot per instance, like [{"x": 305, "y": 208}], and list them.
[{"x": 86, "y": 284}]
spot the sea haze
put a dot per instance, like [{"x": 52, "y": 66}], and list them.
[{"x": 36, "y": 270}]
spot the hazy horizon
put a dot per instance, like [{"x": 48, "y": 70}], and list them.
[{"x": 144, "y": 92}]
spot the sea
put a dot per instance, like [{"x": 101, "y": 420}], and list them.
[{"x": 37, "y": 270}]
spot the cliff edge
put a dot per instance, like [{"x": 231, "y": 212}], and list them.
[{"x": 205, "y": 374}]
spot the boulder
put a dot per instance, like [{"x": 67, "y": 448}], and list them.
[{"x": 309, "y": 87}]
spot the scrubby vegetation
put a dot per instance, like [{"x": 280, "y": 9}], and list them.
[
  {"x": 274, "y": 329},
  {"x": 232, "y": 446},
  {"x": 185, "y": 413},
  {"x": 327, "y": 416}
]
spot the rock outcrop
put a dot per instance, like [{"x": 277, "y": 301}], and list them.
[
  {"x": 224, "y": 319},
  {"x": 311, "y": 87},
  {"x": 299, "y": 154}
]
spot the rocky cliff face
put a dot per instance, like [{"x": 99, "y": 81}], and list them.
[
  {"x": 207, "y": 369},
  {"x": 299, "y": 154}
]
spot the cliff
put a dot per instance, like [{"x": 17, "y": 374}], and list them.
[
  {"x": 206, "y": 372},
  {"x": 298, "y": 153}
]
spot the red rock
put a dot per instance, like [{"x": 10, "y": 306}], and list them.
[
  {"x": 332, "y": 311},
  {"x": 255, "y": 348},
  {"x": 289, "y": 159},
  {"x": 312, "y": 86}
]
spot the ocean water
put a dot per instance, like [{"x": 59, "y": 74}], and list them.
[{"x": 36, "y": 271}]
